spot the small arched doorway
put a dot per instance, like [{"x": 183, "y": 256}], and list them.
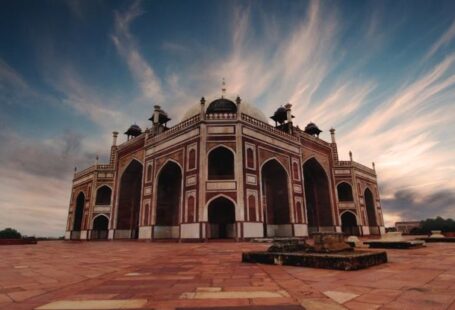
[
  {"x": 317, "y": 193},
  {"x": 129, "y": 201},
  {"x": 78, "y": 216},
  {"x": 371, "y": 212},
  {"x": 349, "y": 224},
  {"x": 100, "y": 227},
  {"x": 221, "y": 216},
  {"x": 169, "y": 190},
  {"x": 275, "y": 197}
]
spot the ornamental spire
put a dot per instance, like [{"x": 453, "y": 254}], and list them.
[{"x": 223, "y": 88}]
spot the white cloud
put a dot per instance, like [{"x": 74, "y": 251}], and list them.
[
  {"x": 127, "y": 47},
  {"x": 448, "y": 36}
]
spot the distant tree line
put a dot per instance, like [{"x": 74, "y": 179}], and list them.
[
  {"x": 426, "y": 226},
  {"x": 10, "y": 233}
]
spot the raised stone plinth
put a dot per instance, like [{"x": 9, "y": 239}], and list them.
[
  {"x": 437, "y": 236},
  {"x": 330, "y": 243},
  {"x": 352, "y": 260},
  {"x": 329, "y": 252},
  {"x": 394, "y": 240}
]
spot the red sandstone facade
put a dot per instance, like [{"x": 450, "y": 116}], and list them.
[{"x": 223, "y": 172}]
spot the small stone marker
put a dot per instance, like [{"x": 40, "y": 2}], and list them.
[
  {"x": 330, "y": 243},
  {"x": 393, "y": 236},
  {"x": 355, "y": 242},
  {"x": 437, "y": 234}
]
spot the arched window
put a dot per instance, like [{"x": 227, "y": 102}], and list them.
[
  {"x": 249, "y": 158},
  {"x": 191, "y": 218},
  {"x": 192, "y": 159},
  {"x": 103, "y": 195},
  {"x": 252, "y": 208},
  {"x": 221, "y": 164},
  {"x": 344, "y": 192}
]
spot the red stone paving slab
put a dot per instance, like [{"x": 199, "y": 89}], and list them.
[{"x": 201, "y": 275}]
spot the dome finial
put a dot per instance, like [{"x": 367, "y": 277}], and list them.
[{"x": 223, "y": 88}]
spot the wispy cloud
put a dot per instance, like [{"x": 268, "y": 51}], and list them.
[
  {"x": 36, "y": 181},
  {"x": 447, "y": 37},
  {"x": 14, "y": 89},
  {"x": 127, "y": 47}
]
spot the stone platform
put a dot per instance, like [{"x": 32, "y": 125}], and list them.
[
  {"x": 383, "y": 244},
  {"x": 433, "y": 239},
  {"x": 165, "y": 276},
  {"x": 340, "y": 261},
  {"x": 395, "y": 240}
]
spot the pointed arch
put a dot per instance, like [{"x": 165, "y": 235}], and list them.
[
  {"x": 169, "y": 160},
  {"x": 370, "y": 207},
  {"x": 218, "y": 196},
  {"x": 221, "y": 217},
  {"x": 349, "y": 223},
  {"x": 217, "y": 155},
  {"x": 275, "y": 192},
  {"x": 103, "y": 195},
  {"x": 344, "y": 191},
  {"x": 99, "y": 215},
  {"x": 78, "y": 214},
  {"x": 317, "y": 194},
  {"x": 129, "y": 200},
  {"x": 133, "y": 159},
  {"x": 100, "y": 227},
  {"x": 168, "y": 194}
]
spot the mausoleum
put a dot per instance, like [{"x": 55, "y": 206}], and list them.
[{"x": 223, "y": 172}]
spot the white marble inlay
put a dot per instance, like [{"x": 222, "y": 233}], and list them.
[
  {"x": 251, "y": 179},
  {"x": 216, "y": 185},
  {"x": 340, "y": 297},
  {"x": 220, "y": 129}
]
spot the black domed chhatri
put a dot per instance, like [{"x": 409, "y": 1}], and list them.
[
  {"x": 134, "y": 131},
  {"x": 222, "y": 105},
  {"x": 312, "y": 129},
  {"x": 280, "y": 115},
  {"x": 163, "y": 118}
]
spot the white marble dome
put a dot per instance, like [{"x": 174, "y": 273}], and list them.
[{"x": 245, "y": 108}]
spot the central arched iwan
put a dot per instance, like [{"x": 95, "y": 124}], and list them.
[
  {"x": 169, "y": 195},
  {"x": 276, "y": 193},
  {"x": 129, "y": 199},
  {"x": 317, "y": 193}
]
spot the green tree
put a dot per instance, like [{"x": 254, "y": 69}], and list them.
[
  {"x": 10, "y": 233},
  {"x": 446, "y": 225}
]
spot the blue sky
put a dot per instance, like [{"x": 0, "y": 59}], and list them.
[{"x": 71, "y": 72}]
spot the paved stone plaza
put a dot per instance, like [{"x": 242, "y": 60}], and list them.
[{"x": 131, "y": 275}]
